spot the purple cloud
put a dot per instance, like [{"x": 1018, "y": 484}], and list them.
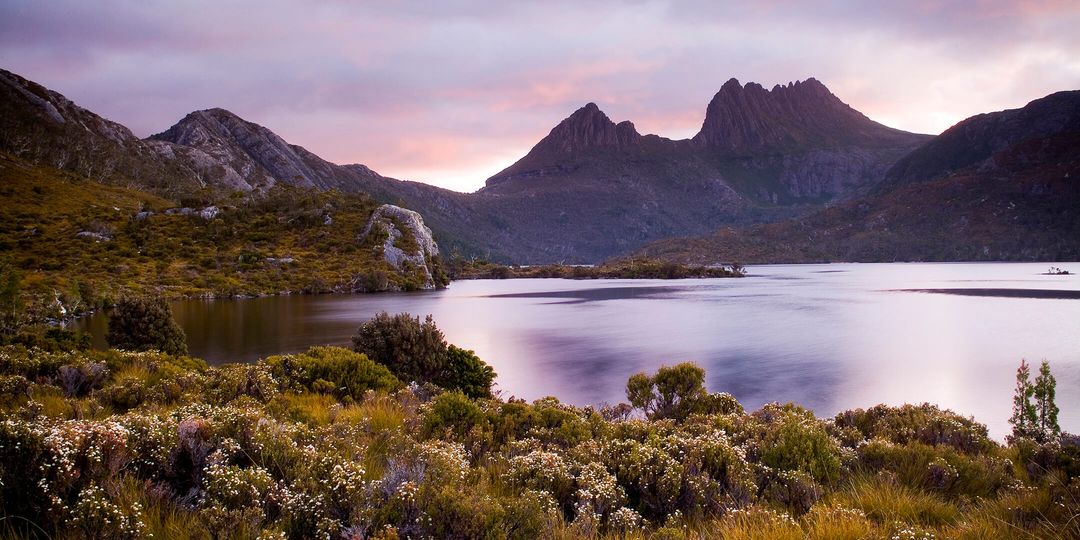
[{"x": 452, "y": 92}]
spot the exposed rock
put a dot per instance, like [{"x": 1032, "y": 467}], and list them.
[
  {"x": 95, "y": 236},
  {"x": 210, "y": 212},
  {"x": 145, "y": 214},
  {"x": 278, "y": 261},
  {"x": 408, "y": 245},
  {"x": 230, "y": 151},
  {"x": 800, "y": 115}
]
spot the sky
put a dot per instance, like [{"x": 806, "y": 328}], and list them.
[{"x": 451, "y": 92}]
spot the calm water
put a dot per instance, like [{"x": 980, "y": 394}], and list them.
[{"x": 830, "y": 337}]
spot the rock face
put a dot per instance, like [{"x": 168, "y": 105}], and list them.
[
  {"x": 805, "y": 114},
  {"x": 407, "y": 244},
  {"x": 228, "y": 150}
]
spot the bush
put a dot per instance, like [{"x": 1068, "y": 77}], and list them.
[
  {"x": 333, "y": 370},
  {"x": 468, "y": 373},
  {"x": 416, "y": 351},
  {"x": 413, "y": 351},
  {"x": 452, "y": 412},
  {"x": 141, "y": 324},
  {"x": 793, "y": 440}
]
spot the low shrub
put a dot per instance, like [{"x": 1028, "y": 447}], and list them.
[{"x": 332, "y": 370}]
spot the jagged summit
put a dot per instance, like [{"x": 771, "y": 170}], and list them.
[
  {"x": 588, "y": 127},
  {"x": 743, "y": 119},
  {"x": 586, "y": 130}
]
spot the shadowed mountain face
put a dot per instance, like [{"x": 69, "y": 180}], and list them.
[
  {"x": 974, "y": 142},
  {"x": 997, "y": 186},
  {"x": 775, "y": 149}
]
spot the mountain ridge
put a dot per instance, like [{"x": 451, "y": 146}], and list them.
[{"x": 591, "y": 189}]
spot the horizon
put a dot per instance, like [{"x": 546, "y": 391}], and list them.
[{"x": 452, "y": 94}]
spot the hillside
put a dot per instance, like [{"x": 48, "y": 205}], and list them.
[
  {"x": 998, "y": 186},
  {"x": 75, "y": 244},
  {"x": 589, "y": 190}
]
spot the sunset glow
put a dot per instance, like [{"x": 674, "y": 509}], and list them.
[{"x": 451, "y": 94}]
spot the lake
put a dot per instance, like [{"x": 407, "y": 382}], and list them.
[{"x": 830, "y": 337}]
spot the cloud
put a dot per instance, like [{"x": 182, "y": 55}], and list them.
[{"x": 460, "y": 89}]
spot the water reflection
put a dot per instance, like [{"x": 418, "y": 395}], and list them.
[{"x": 830, "y": 337}]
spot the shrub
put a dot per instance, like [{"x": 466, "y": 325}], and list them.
[
  {"x": 468, "y": 373},
  {"x": 452, "y": 412},
  {"x": 924, "y": 423},
  {"x": 413, "y": 351},
  {"x": 794, "y": 440},
  {"x": 145, "y": 323},
  {"x": 333, "y": 370}
]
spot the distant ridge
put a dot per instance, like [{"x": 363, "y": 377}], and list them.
[{"x": 594, "y": 188}]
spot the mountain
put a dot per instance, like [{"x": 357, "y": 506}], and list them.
[
  {"x": 976, "y": 140},
  {"x": 249, "y": 156},
  {"x": 795, "y": 144},
  {"x": 787, "y": 174},
  {"x": 997, "y": 186},
  {"x": 45, "y": 127}
]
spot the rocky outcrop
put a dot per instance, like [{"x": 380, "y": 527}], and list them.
[
  {"x": 230, "y": 151},
  {"x": 405, "y": 243}
]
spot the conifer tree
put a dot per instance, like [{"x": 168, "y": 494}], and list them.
[
  {"x": 1024, "y": 418},
  {"x": 1044, "y": 391}
]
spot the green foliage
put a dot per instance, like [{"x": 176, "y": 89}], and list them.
[
  {"x": 164, "y": 445},
  {"x": 413, "y": 351},
  {"x": 333, "y": 370},
  {"x": 12, "y": 308},
  {"x": 145, "y": 323},
  {"x": 677, "y": 392},
  {"x": 416, "y": 351},
  {"x": 268, "y": 242},
  {"x": 1044, "y": 392},
  {"x": 452, "y": 412},
  {"x": 630, "y": 268},
  {"x": 793, "y": 440},
  {"x": 1024, "y": 419},
  {"x": 468, "y": 373},
  {"x": 924, "y": 423}
]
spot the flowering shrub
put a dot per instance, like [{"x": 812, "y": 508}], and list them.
[{"x": 156, "y": 444}]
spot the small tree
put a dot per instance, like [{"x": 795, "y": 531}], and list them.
[
  {"x": 1024, "y": 419},
  {"x": 145, "y": 323},
  {"x": 671, "y": 393},
  {"x": 1044, "y": 390}
]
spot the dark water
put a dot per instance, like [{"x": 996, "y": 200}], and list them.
[{"x": 830, "y": 337}]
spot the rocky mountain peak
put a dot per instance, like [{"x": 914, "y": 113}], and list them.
[
  {"x": 586, "y": 130},
  {"x": 743, "y": 119},
  {"x": 588, "y": 127}
]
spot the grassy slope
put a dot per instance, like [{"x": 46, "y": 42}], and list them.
[{"x": 43, "y": 209}]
